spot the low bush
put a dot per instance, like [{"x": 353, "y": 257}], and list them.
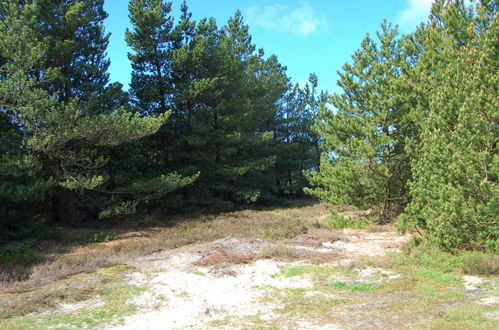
[
  {"x": 481, "y": 264},
  {"x": 99, "y": 237},
  {"x": 17, "y": 254},
  {"x": 338, "y": 221}
]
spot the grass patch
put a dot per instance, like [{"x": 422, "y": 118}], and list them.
[
  {"x": 197, "y": 272},
  {"x": 298, "y": 302},
  {"x": 430, "y": 257},
  {"x": 353, "y": 286},
  {"x": 313, "y": 270},
  {"x": 437, "y": 286},
  {"x": 159, "y": 271},
  {"x": 468, "y": 316},
  {"x": 110, "y": 288}
]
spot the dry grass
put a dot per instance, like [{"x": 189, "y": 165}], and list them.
[
  {"x": 28, "y": 301},
  {"x": 289, "y": 253},
  {"x": 222, "y": 257},
  {"x": 60, "y": 261}
]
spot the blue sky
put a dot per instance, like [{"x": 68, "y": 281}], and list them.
[{"x": 306, "y": 35}]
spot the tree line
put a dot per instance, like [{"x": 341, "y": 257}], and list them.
[
  {"x": 414, "y": 133},
  {"x": 210, "y": 122}
]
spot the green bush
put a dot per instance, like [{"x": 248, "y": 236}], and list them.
[
  {"x": 17, "y": 254},
  {"x": 102, "y": 236},
  {"x": 338, "y": 221}
]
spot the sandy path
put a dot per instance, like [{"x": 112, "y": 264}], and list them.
[{"x": 181, "y": 295}]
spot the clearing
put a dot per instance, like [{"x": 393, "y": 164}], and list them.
[{"x": 272, "y": 269}]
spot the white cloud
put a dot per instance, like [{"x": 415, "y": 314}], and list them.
[
  {"x": 416, "y": 12},
  {"x": 302, "y": 20}
]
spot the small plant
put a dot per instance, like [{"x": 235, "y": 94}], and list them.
[
  {"x": 481, "y": 264},
  {"x": 338, "y": 221},
  {"x": 17, "y": 254},
  {"x": 100, "y": 237}
]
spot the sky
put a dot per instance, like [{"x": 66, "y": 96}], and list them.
[{"x": 306, "y": 35}]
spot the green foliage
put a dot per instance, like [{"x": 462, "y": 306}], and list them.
[
  {"x": 17, "y": 254},
  {"x": 353, "y": 287},
  {"x": 415, "y": 129},
  {"x": 455, "y": 187},
  {"x": 234, "y": 120},
  {"x": 364, "y": 163},
  {"x": 64, "y": 127},
  {"x": 99, "y": 237},
  {"x": 338, "y": 221}
]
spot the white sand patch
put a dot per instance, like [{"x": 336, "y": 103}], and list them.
[
  {"x": 310, "y": 325},
  {"x": 489, "y": 301},
  {"x": 492, "y": 315},
  {"x": 182, "y": 295},
  {"x": 379, "y": 244},
  {"x": 309, "y": 248},
  {"x": 190, "y": 299},
  {"x": 472, "y": 282}
]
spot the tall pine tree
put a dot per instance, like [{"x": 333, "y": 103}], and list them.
[
  {"x": 364, "y": 162},
  {"x": 455, "y": 177}
]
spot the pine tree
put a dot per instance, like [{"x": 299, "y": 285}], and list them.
[
  {"x": 455, "y": 178},
  {"x": 76, "y": 44},
  {"x": 22, "y": 188},
  {"x": 314, "y": 102},
  {"x": 364, "y": 163},
  {"x": 65, "y": 150},
  {"x": 151, "y": 43}
]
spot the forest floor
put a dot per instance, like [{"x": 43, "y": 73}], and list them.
[{"x": 272, "y": 269}]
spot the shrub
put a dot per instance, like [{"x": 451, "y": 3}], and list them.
[
  {"x": 17, "y": 254},
  {"x": 102, "y": 236},
  {"x": 481, "y": 264},
  {"x": 338, "y": 221}
]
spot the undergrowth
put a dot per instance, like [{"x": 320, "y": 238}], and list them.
[
  {"x": 422, "y": 254},
  {"x": 338, "y": 221}
]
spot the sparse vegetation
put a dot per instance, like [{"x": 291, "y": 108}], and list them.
[
  {"x": 418, "y": 287},
  {"x": 108, "y": 293},
  {"x": 423, "y": 254}
]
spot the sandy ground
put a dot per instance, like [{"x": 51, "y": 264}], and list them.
[{"x": 182, "y": 295}]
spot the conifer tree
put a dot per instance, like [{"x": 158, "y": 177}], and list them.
[
  {"x": 76, "y": 44},
  {"x": 364, "y": 162},
  {"x": 314, "y": 101},
  {"x": 455, "y": 178},
  {"x": 65, "y": 150},
  {"x": 151, "y": 43}
]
